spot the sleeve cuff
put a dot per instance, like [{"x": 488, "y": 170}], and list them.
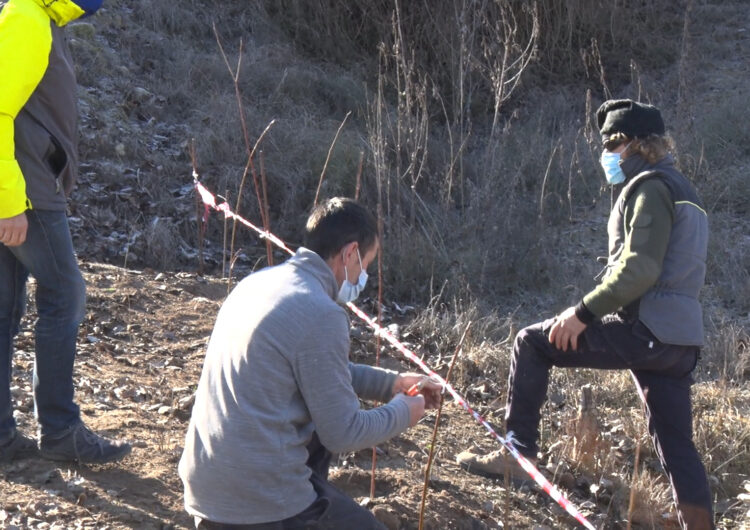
[
  {"x": 584, "y": 314},
  {"x": 13, "y": 200}
]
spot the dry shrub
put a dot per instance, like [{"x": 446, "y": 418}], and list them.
[
  {"x": 162, "y": 243},
  {"x": 346, "y": 32},
  {"x": 722, "y": 434},
  {"x": 652, "y": 502},
  {"x": 727, "y": 353}
]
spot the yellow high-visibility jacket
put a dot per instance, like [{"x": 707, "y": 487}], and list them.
[{"x": 29, "y": 66}]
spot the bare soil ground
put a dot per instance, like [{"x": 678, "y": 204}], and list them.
[{"x": 141, "y": 353}]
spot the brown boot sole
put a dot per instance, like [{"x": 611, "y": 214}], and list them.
[{"x": 516, "y": 481}]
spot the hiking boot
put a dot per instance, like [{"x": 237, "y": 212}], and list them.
[
  {"x": 496, "y": 464},
  {"x": 79, "y": 444},
  {"x": 694, "y": 517},
  {"x": 17, "y": 447}
]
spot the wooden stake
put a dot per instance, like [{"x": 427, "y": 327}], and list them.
[{"x": 435, "y": 429}]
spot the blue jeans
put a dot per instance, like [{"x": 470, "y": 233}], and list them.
[{"x": 48, "y": 255}]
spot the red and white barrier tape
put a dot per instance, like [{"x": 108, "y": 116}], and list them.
[{"x": 209, "y": 200}]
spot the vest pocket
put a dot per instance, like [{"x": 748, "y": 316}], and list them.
[{"x": 57, "y": 160}]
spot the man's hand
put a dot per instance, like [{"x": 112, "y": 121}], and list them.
[
  {"x": 416, "y": 407},
  {"x": 431, "y": 389},
  {"x": 13, "y": 230},
  {"x": 566, "y": 330}
]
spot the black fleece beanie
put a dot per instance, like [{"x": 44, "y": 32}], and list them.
[{"x": 631, "y": 118}]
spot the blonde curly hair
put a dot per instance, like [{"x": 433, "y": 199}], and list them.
[{"x": 652, "y": 148}]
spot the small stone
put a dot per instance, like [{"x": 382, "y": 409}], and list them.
[
  {"x": 140, "y": 94},
  {"x": 567, "y": 480},
  {"x": 584, "y": 482},
  {"x": 186, "y": 403},
  {"x": 387, "y": 517},
  {"x": 556, "y": 398},
  {"x": 606, "y": 484}
]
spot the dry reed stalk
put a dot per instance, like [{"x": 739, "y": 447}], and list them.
[
  {"x": 249, "y": 166},
  {"x": 198, "y": 209},
  {"x": 359, "y": 175},
  {"x": 544, "y": 180},
  {"x": 224, "y": 244},
  {"x": 380, "y": 322},
  {"x": 266, "y": 220},
  {"x": 431, "y": 454},
  {"x": 328, "y": 158},
  {"x": 631, "y": 503}
]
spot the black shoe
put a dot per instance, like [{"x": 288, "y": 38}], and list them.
[
  {"x": 80, "y": 444},
  {"x": 19, "y": 446}
]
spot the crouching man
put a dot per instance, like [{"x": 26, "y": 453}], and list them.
[{"x": 278, "y": 394}]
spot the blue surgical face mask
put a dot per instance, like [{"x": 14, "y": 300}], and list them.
[
  {"x": 611, "y": 164},
  {"x": 348, "y": 292}
]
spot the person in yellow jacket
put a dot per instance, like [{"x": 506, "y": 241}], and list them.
[{"x": 38, "y": 168}]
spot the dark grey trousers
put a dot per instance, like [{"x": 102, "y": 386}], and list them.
[
  {"x": 332, "y": 510},
  {"x": 662, "y": 373}
]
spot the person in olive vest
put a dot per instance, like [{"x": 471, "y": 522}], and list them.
[
  {"x": 38, "y": 169},
  {"x": 644, "y": 315}
]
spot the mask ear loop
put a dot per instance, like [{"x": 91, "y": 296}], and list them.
[{"x": 346, "y": 272}]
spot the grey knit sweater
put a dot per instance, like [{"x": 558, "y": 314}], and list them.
[{"x": 276, "y": 370}]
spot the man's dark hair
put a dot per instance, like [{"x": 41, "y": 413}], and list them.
[{"x": 336, "y": 223}]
